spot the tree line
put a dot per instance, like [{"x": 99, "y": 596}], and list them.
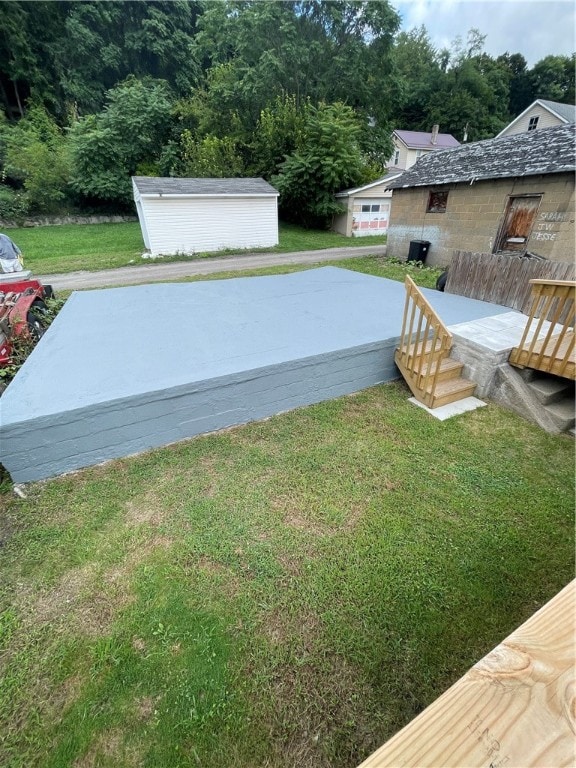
[{"x": 303, "y": 93}]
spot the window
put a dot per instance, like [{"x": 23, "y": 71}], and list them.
[
  {"x": 437, "y": 202},
  {"x": 366, "y": 208},
  {"x": 533, "y": 123},
  {"x": 418, "y": 153},
  {"x": 396, "y": 157},
  {"x": 375, "y": 208}
]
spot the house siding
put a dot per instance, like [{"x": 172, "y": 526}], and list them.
[
  {"x": 474, "y": 214},
  {"x": 343, "y": 223},
  {"x": 546, "y": 120},
  {"x": 194, "y": 225}
]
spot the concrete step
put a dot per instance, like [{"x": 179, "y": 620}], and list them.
[
  {"x": 563, "y": 413},
  {"x": 550, "y": 389}
]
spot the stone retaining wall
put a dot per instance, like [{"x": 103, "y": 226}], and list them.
[{"x": 57, "y": 221}]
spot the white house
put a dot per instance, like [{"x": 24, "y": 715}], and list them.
[
  {"x": 199, "y": 215},
  {"x": 410, "y": 146},
  {"x": 540, "y": 114},
  {"x": 367, "y": 209}
]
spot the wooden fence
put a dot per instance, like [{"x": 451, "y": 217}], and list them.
[{"x": 502, "y": 279}]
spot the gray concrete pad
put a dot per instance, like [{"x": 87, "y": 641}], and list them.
[
  {"x": 444, "y": 412},
  {"x": 127, "y": 369}
]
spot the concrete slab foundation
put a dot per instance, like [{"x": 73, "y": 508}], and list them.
[
  {"x": 127, "y": 369},
  {"x": 444, "y": 412}
]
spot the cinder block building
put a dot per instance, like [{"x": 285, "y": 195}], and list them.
[{"x": 510, "y": 194}]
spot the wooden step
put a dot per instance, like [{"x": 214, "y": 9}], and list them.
[
  {"x": 410, "y": 356},
  {"x": 450, "y": 391},
  {"x": 449, "y": 369}
]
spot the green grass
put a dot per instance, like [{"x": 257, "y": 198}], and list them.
[
  {"x": 68, "y": 248},
  {"x": 289, "y": 592}
]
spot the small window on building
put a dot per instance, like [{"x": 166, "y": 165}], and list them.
[
  {"x": 375, "y": 208},
  {"x": 533, "y": 123},
  {"x": 437, "y": 202},
  {"x": 418, "y": 153},
  {"x": 396, "y": 157},
  {"x": 365, "y": 208}
]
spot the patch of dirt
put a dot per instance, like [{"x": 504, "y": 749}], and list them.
[
  {"x": 145, "y": 707},
  {"x": 86, "y": 600},
  {"x": 149, "y": 509},
  {"x": 294, "y": 518},
  {"x": 110, "y": 749}
]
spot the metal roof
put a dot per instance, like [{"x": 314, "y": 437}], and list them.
[
  {"x": 423, "y": 140},
  {"x": 551, "y": 150},
  {"x": 149, "y": 185}
]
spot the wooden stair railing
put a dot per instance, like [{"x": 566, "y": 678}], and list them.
[
  {"x": 423, "y": 354},
  {"x": 549, "y": 349}
]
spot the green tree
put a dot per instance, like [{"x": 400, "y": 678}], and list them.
[
  {"x": 36, "y": 156},
  {"x": 328, "y": 160},
  {"x": 210, "y": 157},
  {"x": 278, "y": 133},
  {"x": 108, "y": 148},
  {"x": 255, "y": 52},
  {"x": 553, "y": 78}
]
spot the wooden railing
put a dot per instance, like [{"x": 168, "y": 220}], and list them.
[
  {"x": 424, "y": 343},
  {"x": 549, "y": 348}
]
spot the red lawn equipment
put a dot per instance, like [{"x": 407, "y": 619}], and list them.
[{"x": 22, "y": 305}]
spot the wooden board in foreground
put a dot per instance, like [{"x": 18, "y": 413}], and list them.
[{"x": 514, "y": 709}]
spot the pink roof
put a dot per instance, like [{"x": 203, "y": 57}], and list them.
[{"x": 422, "y": 140}]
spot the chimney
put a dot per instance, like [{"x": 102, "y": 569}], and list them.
[{"x": 434, "y": 136}]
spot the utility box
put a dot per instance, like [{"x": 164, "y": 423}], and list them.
[{"x": 418, "y": 250}]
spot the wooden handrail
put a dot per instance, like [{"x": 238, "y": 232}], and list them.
[
  {"x": 550, "y": 347},
  {"x": 424, "y": 343}
]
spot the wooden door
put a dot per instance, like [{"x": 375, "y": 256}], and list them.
[{"x": 516, "y": 228}]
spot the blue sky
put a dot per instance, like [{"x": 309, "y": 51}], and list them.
[{"x": 534, "y": 28}]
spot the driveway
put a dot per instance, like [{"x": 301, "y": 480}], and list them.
[{"x": 157, "y": 271}]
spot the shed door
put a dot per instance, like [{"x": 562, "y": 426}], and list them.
[
  {"x": 518, "y": 222},
  {"x": 370, "y": 217}
]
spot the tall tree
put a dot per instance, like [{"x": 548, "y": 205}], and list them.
[
  {"x": 108, "y": 148},
  {"x": 553, "y": 78},
  {"x": 328, "y": 160},
  {"x": 317, "y": 51}
]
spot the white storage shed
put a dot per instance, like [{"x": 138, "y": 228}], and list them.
[{"x": 198, "y": 215}]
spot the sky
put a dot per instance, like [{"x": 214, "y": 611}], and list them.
[{"x": 534, "y": 28}]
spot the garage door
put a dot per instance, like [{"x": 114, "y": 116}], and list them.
[{"x": 370, "y": 217}]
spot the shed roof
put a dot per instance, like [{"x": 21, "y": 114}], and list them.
[
  {"x": 551, "y": 150},
  {"x": 381, "y": 180},
  {"x": 160, "y": 186},
  {"x": 423, "y": 140}
]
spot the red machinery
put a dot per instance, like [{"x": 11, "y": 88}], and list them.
[{"x": 21, "y": 307}]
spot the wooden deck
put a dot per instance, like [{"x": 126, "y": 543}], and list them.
[
  {"x": 514, "y": 709},
  {"x": 555, "y": 355},
  {"x": 553, "y": 301}
]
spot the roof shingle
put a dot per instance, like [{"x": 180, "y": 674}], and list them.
[
  {"x": 551, "y": 150},
  {"x": 149, "y": 185}
]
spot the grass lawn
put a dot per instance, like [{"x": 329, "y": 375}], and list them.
[
  {"x": 285, "y": 593},
  {"x": 67, "y": 248}
]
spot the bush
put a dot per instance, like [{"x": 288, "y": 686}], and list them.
[{"x": 14, "y": 205}]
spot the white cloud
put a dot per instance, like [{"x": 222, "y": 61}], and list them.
[{"x": 534, "y": 28}]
